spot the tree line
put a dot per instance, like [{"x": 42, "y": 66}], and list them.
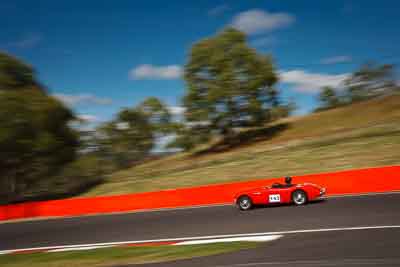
[{"x": 371, "y": 80}]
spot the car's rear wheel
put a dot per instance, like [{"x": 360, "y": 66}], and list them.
[
  {"x": 244, "y": 203},
  {"x": 299, "y": 197}
]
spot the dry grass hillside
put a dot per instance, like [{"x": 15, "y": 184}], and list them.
[{"x": 361, "y": 135}]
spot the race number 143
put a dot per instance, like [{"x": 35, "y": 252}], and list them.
[{"x": 274, "y": 198}]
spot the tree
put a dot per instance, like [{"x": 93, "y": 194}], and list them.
[
  {"x": 189, "y": 135},
  {"x": 328, "y": 98},
  {"x": 127, "y": 139},
  {"x": 36, "y": 140},
  {"x": 157, "y": 114},
  {"x": 229, "y": 84},
  {"x": 371, "y": 80},
  {"x": 283, "y": 110},
  {"x": 130, "y": 137}
]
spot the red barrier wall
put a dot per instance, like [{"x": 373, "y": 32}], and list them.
[{"x": 344, "y": 182}]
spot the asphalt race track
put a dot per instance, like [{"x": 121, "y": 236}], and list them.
[
  {"x": 374, "y": 247},
  {"x": 354, "y": 248}
]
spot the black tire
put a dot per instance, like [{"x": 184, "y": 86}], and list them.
[
  {"x": 299, "y": 197},
  {"x": 244, "y": 203}
]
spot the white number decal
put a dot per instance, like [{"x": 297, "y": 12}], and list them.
[{"x": 274, "y": 198}]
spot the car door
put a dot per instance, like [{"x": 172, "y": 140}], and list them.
[
  {"x": 278, "y": 195},
  {"x": 260, "y": 196}
]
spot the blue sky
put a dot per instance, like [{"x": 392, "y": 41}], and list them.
[{"x": 99, "y": 56}]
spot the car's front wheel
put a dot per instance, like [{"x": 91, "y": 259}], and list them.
[
  {"x": 299, "y": 197},
  {"x": 244, "y": 203}
]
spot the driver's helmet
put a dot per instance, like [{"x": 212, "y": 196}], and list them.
[{"x": 288, "y": 180}]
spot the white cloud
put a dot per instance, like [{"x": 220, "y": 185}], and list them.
[
  {"x": 218, "y": 10},
  {"x": 263, "y": 41},
  {"x": 308, "y": 82},
  {"x": 257, "y": 21},
  {"x": 27, "y": 41},
  {"x": 336, "y": 59},
  {"x": 88, "y": 118},
  {"x": 73, "y": 100},
  {"x": 147, "y": 71},
  {"x": 176, "y": 110}
]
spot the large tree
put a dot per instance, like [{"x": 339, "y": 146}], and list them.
[
  {"x": 35, "y": 138},
  {"x": 229, "y": 84}
]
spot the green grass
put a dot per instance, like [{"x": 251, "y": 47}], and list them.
[
  {"x": 358, "y": 136},
  {"x": 119, "y": 256}
]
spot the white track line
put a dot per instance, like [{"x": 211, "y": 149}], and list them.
[
  {"x": 204, "y": 237},
  {"x": 264, "y": 238},
  {"x": 319, "y": 263},
  {"x": 77, "y": 248}
]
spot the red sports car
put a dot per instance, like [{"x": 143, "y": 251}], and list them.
[{"x": 299, "y": 194}]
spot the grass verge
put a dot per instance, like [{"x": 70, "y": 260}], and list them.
[{"x": 119, "y": 255}]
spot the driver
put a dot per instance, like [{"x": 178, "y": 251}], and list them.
[
  {"x": 288, "y": 180},
  {"x": 288, "y": 183}
]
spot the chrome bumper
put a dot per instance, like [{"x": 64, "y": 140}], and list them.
[{"x": 322, "y": 194}]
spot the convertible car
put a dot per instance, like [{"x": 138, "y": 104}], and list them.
[{"x": 278, "y": 193}]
